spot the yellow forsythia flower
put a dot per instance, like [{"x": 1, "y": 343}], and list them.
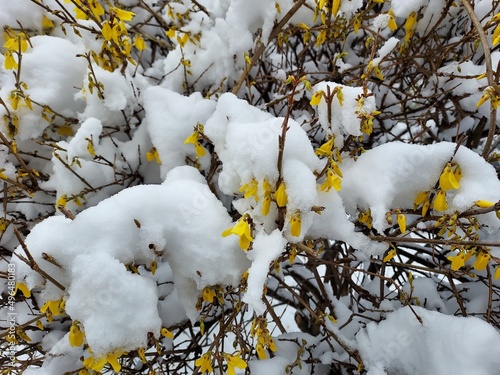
[
  {"x": 482, "y": 260},
  {"x": 243, "y": 230},
  {"x": 457, "y": 261},
  {"x": 440, "y": 203},
  {"x": 335, "y": 7},
  {"x": 205, "y": 363},
  {"x": 280, "y": 195},
  {"x": 421, "y": 198},
  {"x": 326, "y": 148},
  {"x": 332, "y": 180},
  {"x": 402, "y": 223},
  {"x": 139, "y": 43},
  {"x": 112, "y": 359},
  {"x": 90, "y": 147},
  {"x": 24, "y": 289},
  {"x": 75, "y": 335},
  {"x": 153, "y": 155},
  {"x": 447, "y": 180},
  {"x": 497, "y": 273},
  {"x": 9, "y": 62},
  {"x": 261, "y": 352},
  {"x": 123, "y": 15},
  {"x": 234, "y": 361},
  {"x": 391, "y": 254},
  {"x": 484, "y": 204},
  {"x": 166, "y": 333},
  {"x": 316, "y": 98},
  {"x": 208, "y": 294},
  {"x": 142, "y": 354},
  {"x": 47, "y": 23},
  {"x": 295, "y": 225},
  {"x": 266, "y": 205},
  {"x": 250, "y": 190}
]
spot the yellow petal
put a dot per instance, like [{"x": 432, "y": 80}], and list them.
[
  {"x": 440, "y": 203},
  {"x": 193, "y": 138},
  {"x": 392, "y": 21},
  {"x": 280, "y": 195},
  {"x": 326, "y": 148},
  {"x": 75, "y": 335},
  {"x": 234, "y": 361},
  {"x": 23, "y": 335},
  {"x": 166, "y": 333},
  {"x": 410, "y": 22},
  {"x": 421, "y": 198},
  {"x": 170, "y": 33},
  {"x": 482, "y": 260},
  {"x": 142, "y": 354},
  {"x": 123, "y": 15},
  {"x": 266, "y": 205},
  {"x": 153, "y": 155},
  {"x": 139, "y": 43},
  {"x": 391, "y": 254},
  {"x": 200, "y": 150},
  {"x": 90, "y": 147},
  {"x": 316, "y": 98},
  {"x": 244, "y": 242},
  {"x": 295, "y": 225},
  {"x": 24, "y": 289},
  {"x": 402, "y": 223},
  {"x": 106, "y": 30},
  {"x": 250, "y": 190},
  {"x": 62, "y": 201},
  {"x": 47, "y": 23},
  {"x": 335, "y": 7},
  {"x": 261, "y": 352},
  {"x": 9, "y": 62},
  {"x": 425, "y": 207},
  {"x": 486, "y": 94},
  {"x": 484, "y": 204},
  {"x": 336, "y": 168},
  {"x": 112, "y": 359},
  {"x": 457, "y": 261},
  {"x": 267, "y": 186},
  {"x": 497, "y": 273},
  {"x": 208, "y": 294},
  {"x": 97, "y": 9},
  {"x": 447, "y": 180}
]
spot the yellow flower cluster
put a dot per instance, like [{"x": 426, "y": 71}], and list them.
[
  {"x": 242, "y": 229},
  {"x": 265, "y": 341},
  {"x": 333, "y": 178},
  {"x": 15, "y": 45},
  {"x": 250, "y": 190},
  {"x": 97, "y": 364},
  {"x": 365, "y": 217},
  {"x": 482, "y": 259},
  {"x": 448, "y": 180},
  {"x": 194, "y": 139},
  {"x": 53, "y": 308}
]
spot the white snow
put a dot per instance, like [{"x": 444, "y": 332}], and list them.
[{"x": 400, "y": 344}]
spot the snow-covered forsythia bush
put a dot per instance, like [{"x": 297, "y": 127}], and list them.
[{"x": 265, "y": 187}]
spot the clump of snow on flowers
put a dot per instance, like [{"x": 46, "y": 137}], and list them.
[
  {"x": 403, "y": 344},
  {"x": 391, "y": 175},
  {"x": 178, "y": 218}
]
